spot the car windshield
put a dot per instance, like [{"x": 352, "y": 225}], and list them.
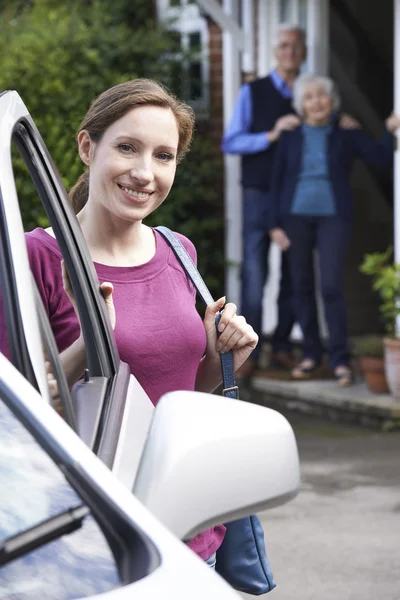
[{"x": 33, "y": 489}]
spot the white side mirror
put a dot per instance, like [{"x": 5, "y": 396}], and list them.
[{"x": 210, "y": 460}]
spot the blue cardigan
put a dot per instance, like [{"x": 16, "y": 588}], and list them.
[{"x": 344, "y": 146}]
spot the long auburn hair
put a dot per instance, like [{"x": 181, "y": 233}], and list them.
[{"x": 115, "y": 103}]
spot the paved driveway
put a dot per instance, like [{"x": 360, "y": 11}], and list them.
[{"x": 340, "y": 538}]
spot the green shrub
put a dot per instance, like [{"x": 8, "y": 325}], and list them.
[
  {"x": 59, "y": 56},
  {"x": 386, "y": 281},
  {"x": 370, "y": 345}
]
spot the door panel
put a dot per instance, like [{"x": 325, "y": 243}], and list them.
[{"x": 133, "y": 433}]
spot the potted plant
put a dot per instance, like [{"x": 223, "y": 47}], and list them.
[
  {"x": 386, "y": 281},
  {"x": 369, "y": 350}
]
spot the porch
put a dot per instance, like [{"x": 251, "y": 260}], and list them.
[{"x": 324, "y": 398}]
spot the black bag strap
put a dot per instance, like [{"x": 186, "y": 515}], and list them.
[{"x": 230, "y": 389}]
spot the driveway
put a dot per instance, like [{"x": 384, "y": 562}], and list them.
[{"x": 340, "y": 538}]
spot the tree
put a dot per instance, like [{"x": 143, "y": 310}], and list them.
[{"x": 59, "y": 56}]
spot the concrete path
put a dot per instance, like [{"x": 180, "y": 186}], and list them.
[
  {"x": 326, "y": 398},
  {"x": 340, "y": 538}
]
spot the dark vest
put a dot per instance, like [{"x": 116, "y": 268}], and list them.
[{"x": 267, "y": 106}]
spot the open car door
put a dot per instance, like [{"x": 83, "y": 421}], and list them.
[{"x": 108, "y": 407}]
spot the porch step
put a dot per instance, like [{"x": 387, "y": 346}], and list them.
[{"x": 354, "y": 404}]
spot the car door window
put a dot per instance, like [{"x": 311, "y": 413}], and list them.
[
  {"x": 33, "y": 490},
  {"x": 62, "y": 526}
]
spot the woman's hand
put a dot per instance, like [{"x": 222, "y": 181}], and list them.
[
  {"x": 280, "y": 238},
  {"x": 236, "y": 334},
  {"x": 392, "y": 123},
  {"x": 106, "y": 290}
]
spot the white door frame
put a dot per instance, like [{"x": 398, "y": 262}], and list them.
[{"x": 396, "y": 34}]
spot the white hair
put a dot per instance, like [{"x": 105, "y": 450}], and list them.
[
  {"x": 307, "y": 80},
  {"x": 286, "y": 28}
]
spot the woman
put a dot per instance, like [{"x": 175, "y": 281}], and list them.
[
  {"x": 311, "y": 209},
  {"x": 131, "y": 141}
]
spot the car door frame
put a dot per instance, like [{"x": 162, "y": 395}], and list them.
[{"x": 101, "y": 396}]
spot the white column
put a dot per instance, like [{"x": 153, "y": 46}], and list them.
[
  {"x": 263, "y": 45},
  {"x": 318, "y": 36},
  {"x": 396, "y": 34},
  {"x": 233, "y": 200},
  {"x": 248, "y": 62}
]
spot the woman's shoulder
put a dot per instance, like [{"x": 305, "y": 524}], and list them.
[
  {"x": 42, "y": 249},
  {"x": 41, "y": 241},
  {"x": 189, "y": 246},
  {"x": 187, "y": 243}
]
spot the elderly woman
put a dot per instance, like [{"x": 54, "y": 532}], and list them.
[{"x": 311, "y": 209}]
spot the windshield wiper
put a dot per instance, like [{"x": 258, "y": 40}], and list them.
[{"x": 43, "y": 533}]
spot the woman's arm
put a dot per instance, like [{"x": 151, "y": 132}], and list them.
[
  {"x": 73, "y": 359},
  {"x": 236, "y": 335}
]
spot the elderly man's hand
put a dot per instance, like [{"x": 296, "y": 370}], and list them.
[{"x": 392, "y": 123}]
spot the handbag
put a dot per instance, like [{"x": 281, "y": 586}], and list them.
[{"x": 241, "y": 559}]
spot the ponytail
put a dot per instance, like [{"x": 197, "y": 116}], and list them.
[{"x": 79, "y": 194}]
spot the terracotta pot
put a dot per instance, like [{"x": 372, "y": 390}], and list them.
[
  {"x": 373, "y": 370},
  {"x": 392, "y": 365}
]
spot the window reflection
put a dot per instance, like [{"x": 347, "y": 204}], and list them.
[{"x": 33, "y": 489}]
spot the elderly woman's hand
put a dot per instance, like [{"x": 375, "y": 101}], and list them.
[
  {"x": 392, "y": 123},
  {"x": 236, "y": 334},
  {"x": 280, "y": 238}
]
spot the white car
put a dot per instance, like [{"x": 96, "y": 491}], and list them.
[{"x": 98, "y": 503}]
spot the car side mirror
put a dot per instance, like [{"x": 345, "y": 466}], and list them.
[{"x": 210, "y": 460}]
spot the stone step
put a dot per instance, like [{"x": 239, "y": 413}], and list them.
[{"x": 325, "y": 398}]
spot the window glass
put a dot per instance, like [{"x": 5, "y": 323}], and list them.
[
  {"x": 33, "y": 489},
  {"x": 4, "y": 346},
  {"x": 32, "y": 214},
  {"x": 303, "y": 14},
  {"x": 285, "y": 11},
  {"x": 195, "y": 41},
  {"x": 195, "y": 83},
  {"x": 190, "y": 72},
  {"x": 32, "y": 211}
]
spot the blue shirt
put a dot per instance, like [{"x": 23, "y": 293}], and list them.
[
  {"x": 237, "y": 137},
  {"x": 313, "y": 195}
]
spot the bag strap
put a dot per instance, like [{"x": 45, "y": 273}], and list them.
[{"x": 230, "y": 389}]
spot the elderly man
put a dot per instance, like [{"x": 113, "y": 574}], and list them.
[{"x": 263, "y": 110}]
